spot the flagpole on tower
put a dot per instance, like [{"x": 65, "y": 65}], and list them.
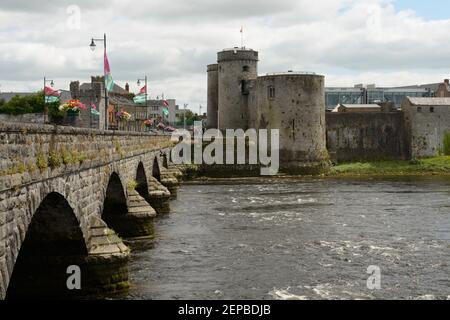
[{"x": 242, "y": 37}]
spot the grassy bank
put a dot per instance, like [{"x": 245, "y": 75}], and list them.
[{"x": 429, "y": 166}]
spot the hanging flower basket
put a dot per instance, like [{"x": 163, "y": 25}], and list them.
[
  {"x": 73, "y": 113},
  {"x": 123, "y": 116},
  {"x": 72, "y": 107}
]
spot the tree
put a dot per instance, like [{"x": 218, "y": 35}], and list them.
[
  {"x": 190, "y": 117},
  {"x": 33, "y": 103}
]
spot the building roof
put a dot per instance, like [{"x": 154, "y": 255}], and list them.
[
  {"x": 356, "y": 106},
  {"x": 122, "y": 101},
  {"x": 359, "y": 106},
  {"x": 429, "y": 101},
  {"x": 117, "y": 89}
]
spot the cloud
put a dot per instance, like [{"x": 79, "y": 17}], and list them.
[{"x": 348, "y": 41}]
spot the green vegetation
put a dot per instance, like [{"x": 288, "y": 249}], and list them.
[
  {"x": 446, "y": 143},
  {"x": 33, "y": 103},
  {"x": 190, "y": 118},
  {"x": 132, "y": 185},
  {"x": 428, "y": 166}
]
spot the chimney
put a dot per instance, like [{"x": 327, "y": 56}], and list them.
[
  {"x": 127, "y": 87},
  {"x": 446, "y": 81}
]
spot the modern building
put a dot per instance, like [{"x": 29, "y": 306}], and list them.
[{"x": 371, "y": 94}]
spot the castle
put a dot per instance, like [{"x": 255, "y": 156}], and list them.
[{"x": 294, "y": 103}]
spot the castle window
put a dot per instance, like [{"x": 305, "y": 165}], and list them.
[
  {"x": 246, "y": 69},
  {"x": 271, "y": 92},
  {"x": 431, "y": 109},
  {"x": 419, "y": 109}
]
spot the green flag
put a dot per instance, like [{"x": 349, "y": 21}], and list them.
[
  {"x": 51, "y": 99},
  {"x": 109, "y": 82},
  {"x": 166, "y": 111},
  {"x": 95, "y": 112},
  {"x": 139, "y": 99}
]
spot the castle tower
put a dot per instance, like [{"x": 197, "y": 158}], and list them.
[
  {"x": 235, "y": 67},
  {"x": 294, "y": 103},
  {"x": 213, "y": 96}
]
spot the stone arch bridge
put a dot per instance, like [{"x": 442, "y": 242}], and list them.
[{"x": 67, "y": 198}]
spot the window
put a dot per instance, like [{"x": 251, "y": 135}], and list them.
[
  {"x": 271, "y": 92},
  {"x": 246, "y": 69},
  {"x": 431, "y": 109},
  {"x": 419, "y": 109}
]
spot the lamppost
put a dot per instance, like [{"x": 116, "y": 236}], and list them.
[
  {"x": 45, "y": 98},
  {"x": 93, "y": 46},
  {"x": 146, "y": 95},
  {"x": 184, "y": 117}
]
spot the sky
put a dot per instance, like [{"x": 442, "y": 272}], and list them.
[{"x": 386, "y": 42}]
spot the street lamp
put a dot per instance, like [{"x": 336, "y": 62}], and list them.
[
  {"x": 184, "y": 117},
  {"x": 45, "y": 100},
  {"x": 146, "y": 94},
  {"x": 93, "y": 46}
]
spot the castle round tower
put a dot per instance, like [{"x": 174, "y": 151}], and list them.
[
  {"x": 236, "y": 66},
  {"x": 213, "y": 96},
  {"x": 294, "y": 103}
]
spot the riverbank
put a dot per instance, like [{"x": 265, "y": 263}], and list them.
[
  {"x": 419, "y": 167},
  {"x": 436, "y": 166}
]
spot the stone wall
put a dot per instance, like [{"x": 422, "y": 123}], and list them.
[
  {"x": 427, "y": 127},
  {"x": 366, "y": 136},
  {"x": 23, "y": 118}
]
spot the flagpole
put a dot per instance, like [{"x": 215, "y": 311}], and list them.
[
  {"x": 146, "y": 95},
  {"x": 106, "y": 90},
  {"x": 242, "y": 37}
]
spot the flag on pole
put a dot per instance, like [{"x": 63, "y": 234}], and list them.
[
  {"x": 165, "y": 103},
  {"x": 109, "y": 82},
  {"x": 94, "y": 111},
  {"x": 166, "y": 111}
]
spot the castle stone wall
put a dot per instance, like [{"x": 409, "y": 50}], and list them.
[
  {"x": 236, "y": 66},
  {"x": 213, "y": 96},
  {"x": 366, "y": 136},
  {"x": 294, "y": 104}
]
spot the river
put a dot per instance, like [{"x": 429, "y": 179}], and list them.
[{"x": 299, "y": 239}]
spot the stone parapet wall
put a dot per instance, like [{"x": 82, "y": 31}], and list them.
[{"x": 30, "y": 152}]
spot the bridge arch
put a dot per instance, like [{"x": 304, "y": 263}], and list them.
[
  {"x": 115, "y": 203},
  {"x": 165, "y": 161},
  {"x": 142, "y": 181},
  {"x": 156, "y": 172},
  {"x": 54, "y": 240}
]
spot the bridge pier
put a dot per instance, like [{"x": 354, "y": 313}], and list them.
[
  {"x": 170, "y": 182},
  {"x": 159, "y": 196},
  {"x": 137, "y": 221}
]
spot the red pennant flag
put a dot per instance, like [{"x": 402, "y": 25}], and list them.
[
  {"x": 143, "y": 90},
  {"x": 165, "y": 103},
  {"x": 49, "y": 92}
]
